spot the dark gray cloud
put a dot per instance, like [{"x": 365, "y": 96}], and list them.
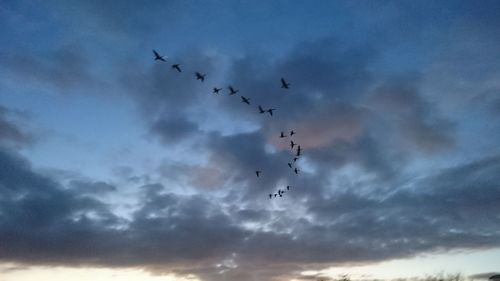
[
  {"x": 96, "y": 188},
  {"x": 483, "y": 276},
  {"x": 42, "y": 222},
  {"x": 172, "y": 130},
  {"x": 416, "y": 122},
  {"x": 64, "y": 69},
  {"x": 10, "y": 132}
]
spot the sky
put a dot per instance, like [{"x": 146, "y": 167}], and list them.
[{"x": 114, "y": 166}]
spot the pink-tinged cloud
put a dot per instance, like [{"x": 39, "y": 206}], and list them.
[
  {"x": 207, "y": 177},
  {"x": 339, "y": 123}
]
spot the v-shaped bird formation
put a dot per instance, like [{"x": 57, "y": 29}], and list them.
[{"x": 233, "y": 91}]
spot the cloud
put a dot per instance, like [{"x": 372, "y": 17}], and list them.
[
  {"x": 64, "y": 69},
  {"x": 173, "y": 130},
  {"x": 10, "y": 132},
  {"x": 483, "y": 276},
  {"x": 398, "y": 102},
  {"x": 41, "y": 222}
]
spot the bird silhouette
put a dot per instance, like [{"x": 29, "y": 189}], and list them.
[
  {"x": 200, "y": 76},
  {"x": 292, "y": 133},
  {"x": 261, "y": 110},
  {"x": 295, "y": 159},
  {"x": 296, "y": 171},
  {"x": 270, "y": 110},
  {"x": 216, "y": 90},
  {"x": 245, "y": 100},
  {"x": 284, "y": 84},
  {"x": 290, "y": 165},
  {"x": 270, "y": 195},
  {"x": 282, "y": 135},
  {"x": 177, "y": 67},
  {"x": 157, "y": 56},
  {"x": 287, "y": 187},
  {"x": 275, "y": 194},
  {"x": 257, "y": 173},
  {"x": 292, "y": 144},
  {"x": 232, "y": 91}
]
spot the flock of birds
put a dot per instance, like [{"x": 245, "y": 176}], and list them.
[{"x": 232, "y": 91}]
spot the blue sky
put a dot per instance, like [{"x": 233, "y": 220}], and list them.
[{"x": 111, "y": 160}]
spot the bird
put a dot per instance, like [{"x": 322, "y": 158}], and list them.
[
  {"x": 282, "y": 135},
  {"x": 296, "y": 171},
  {"x": 257, "y": 173},
  {"x": 281, "y": 195},
  {"x": 177, "y": 67},
  {"x": 270, "y": 195},
  {"x": 200, "y": 76},
  {"x": 284, "y": 84},
  {"x": 292, "y": 144},
  {"x": 292, "y": 133},
  {"x": 299, "y": 150},
  {"x": 245, "y": 100},
  {"x": 216, "y": 90},
  {"x": 270, "y": 110},
  {"x": 287, "y": 187},
  {"x": 295, "y": 159},
  {"x": 157, "y": 56},
  {"x": 298, "y": 153},
  {"x": 232, "y": 91},
  {"x": 261, "y": 110},
  {"x": 275, "y": 194},
  {"x": 290, "y": 165}
]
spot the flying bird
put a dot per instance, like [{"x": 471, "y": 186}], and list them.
[
  {"x": 296, "y": 171},
  {"x": 292, "y": 144},
  {"x": 287, "y": 187},
  {"x": 284, "y": 84},
  {"x": 292, "y": 133},
  {"x": 157, "y": 56},
  {"x": 290, "y": 165},
  {"x": 232, "y": 91},
  {"x": 261, "y": 110},
  {"x": 200, "y": 76},
  {"x": 270, "y": 195},
  {"x": 270, "y": 110},
  {"x": 216, "y": 90},
  {"x": 257, "y": 173},
  {"x": 245, "y": 100},
  {"x": 282, "y": 135},
  {"x": 177, "y": 67},
  {"x": 295, "y": 159}
]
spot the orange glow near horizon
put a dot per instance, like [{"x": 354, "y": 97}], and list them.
[{"x": 41, "y": 273}]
